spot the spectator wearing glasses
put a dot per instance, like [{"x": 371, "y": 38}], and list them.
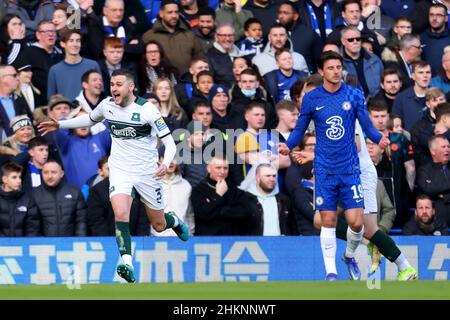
[
  {"x": 403, "y": 59},
  {"x": 402, "y": 26},
  {"x": 43, "y": 54},
  {"x": 233, "y": 14},
  {"x": 358, "y": 62},
  {"x": 436, "y": 37},
  {"x": 221, "y": 55},
  {"x": 11, "y": 105},
  {"x": 351, "y": 15},
  {"x": 155, "y": 65}
]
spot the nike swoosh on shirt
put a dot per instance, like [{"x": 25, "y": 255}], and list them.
[
  {"x": 281, "y": 84},
  {"x": 358, "y": 201},
  {"x": 318, "y": 108}
]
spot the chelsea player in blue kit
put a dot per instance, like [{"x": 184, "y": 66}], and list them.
[{"x": 334, "y": 107}]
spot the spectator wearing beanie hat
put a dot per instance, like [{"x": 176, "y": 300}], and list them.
[
  {"x": 219, "y": 100},
  {"x": 23, "y": 132}
]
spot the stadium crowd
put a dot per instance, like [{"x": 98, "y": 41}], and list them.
[{"x": 210, "y": 68}]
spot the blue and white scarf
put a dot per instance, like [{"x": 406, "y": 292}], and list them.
[
  {"x": 120, "y": 31},
  {"x": 314, "y": 21}
]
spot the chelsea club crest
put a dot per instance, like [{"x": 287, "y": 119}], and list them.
[{"x": 346, "y": 106}]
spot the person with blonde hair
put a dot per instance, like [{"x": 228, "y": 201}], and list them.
[
  {"x": 173, "y": 115},
  {"x": 23, "y": 132}
]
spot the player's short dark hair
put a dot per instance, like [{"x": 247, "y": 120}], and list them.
[
  {"x": 329, "y": 55},
  {"x": 101, "y": 162},
  {"x": 251, "y": 21},
  {"x": 425, "y": 197},
  {"x": 390, "y": 71},
  {"x": 420, "y": 65},
  {"x": 201, "y": 104},
  {"x": 346, "y": 3},
  {"x": 254, "y": 104},
  {"x": 290, "y": 4},
  {"x": 87, "y": 74},
  {"x": 10, "y": 167},
  {"x": 441, "y": 110},
  {"x": 123, "y": 72},
  {"x": 377, "y": 105},
  {"x": 206, "y": 11},
  {"x": 37, "y": 142}
]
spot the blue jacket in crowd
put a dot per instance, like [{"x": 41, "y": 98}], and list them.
[
  {"x": 80, "y": 155},
  {"x": 373, "y": 68},
  {"x": 409, "y": 107},
  {"x": 434, "y": 47}
]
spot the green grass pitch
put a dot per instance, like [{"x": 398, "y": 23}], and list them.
[{"x": 348, "y": 290}]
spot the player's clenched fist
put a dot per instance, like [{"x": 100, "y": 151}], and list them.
[{"x": 384, "y": 142}]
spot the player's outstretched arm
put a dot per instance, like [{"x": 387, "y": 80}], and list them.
[
  {"x": 53, "y": 125},
  {"x": 48, "y": 126}
]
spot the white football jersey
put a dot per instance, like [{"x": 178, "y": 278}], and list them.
[{"x": 134, "y": 130}]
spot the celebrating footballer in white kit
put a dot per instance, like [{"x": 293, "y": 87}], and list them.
[{"x": 135, "y": 126}]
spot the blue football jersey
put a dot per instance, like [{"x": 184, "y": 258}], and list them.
[{"x": 334, "y": 116}]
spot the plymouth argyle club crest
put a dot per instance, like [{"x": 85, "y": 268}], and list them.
[{"x": 136, "y": 116}]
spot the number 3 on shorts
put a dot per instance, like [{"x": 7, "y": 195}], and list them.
[
  {"x": 158, "y": 195},
  {"x": 357, "y": 192}
]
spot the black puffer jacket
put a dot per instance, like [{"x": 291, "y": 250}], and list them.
[
  {"x": 227, "y": 215},
  {"x": 18, "y": 215},
  {"x": 63, "y": 210}
]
